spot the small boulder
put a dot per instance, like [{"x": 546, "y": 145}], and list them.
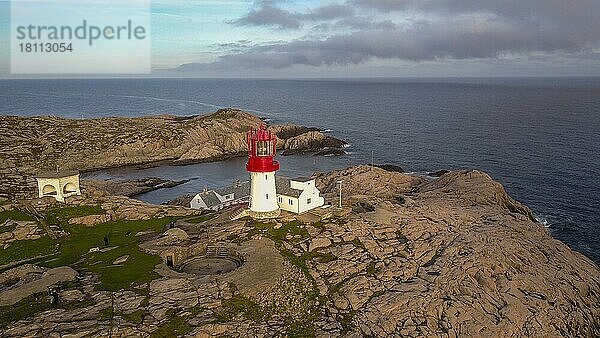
[
  {"x": 438, "y": 173},
  {"x": 390, "y": 167},
  {"x": 317, "y": 243},
  {"x": 121, "y": 260}
]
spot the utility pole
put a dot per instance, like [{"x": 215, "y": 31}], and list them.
[
  {"x": 340, "y": 188},
  {"x": 372, "y": 159}
]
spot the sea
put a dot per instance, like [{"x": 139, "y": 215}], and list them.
[{"x": 539, "y": 137}]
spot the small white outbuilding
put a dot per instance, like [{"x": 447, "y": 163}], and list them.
[
  {"x": 58, "y": 184},
  {"x": 298, "y": 195}
]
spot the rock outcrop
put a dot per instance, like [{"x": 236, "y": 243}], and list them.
[
  {"x": 33, "y": 144},
  {"x": 130, "y": 188}
]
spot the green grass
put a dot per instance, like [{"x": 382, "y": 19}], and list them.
[
  {"x": 337, "y": 287},
  {"x": 121, "y": 234},
  {"x": 202, "y": 218},
  {"x": 15, "y": 215},
  {"x": 175, "y": 327},
  {"x": 371, "y": 269},
  {"x": 61, "y": 216},
  {"x": 357, "y": 243},
  {"x": 33, "y": 305},
  {"x": 20, "y": 250},
  {"x": 106, "y": 314},
  {"x": 347, "y": 321},
  {"x": 278, "y": 235},
  {"x": 137, "y": 269},
  {"x": 8, "y": 228},
  {"x": 136, "y": 317},
  {"x": 239, "y": 304},
  {"x": 26, "y": 308}
]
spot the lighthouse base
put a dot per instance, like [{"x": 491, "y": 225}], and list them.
[{"x": 264, "y": 214}]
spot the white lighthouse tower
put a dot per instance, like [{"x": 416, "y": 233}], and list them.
[{"x": 262, "y": 167}]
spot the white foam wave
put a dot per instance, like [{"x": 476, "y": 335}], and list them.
[{"x": 543, "y": 221}]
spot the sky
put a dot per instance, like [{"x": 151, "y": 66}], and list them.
[{"x": 362, "y": 38}]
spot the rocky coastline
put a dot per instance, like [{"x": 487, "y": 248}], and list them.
[{"x": 33, "y": 144}]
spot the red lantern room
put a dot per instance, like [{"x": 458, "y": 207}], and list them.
[{"x": 262, "y": 145}]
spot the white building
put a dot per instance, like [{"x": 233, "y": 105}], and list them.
[
  {"x": 295, "y": 195},
  {"x": 58, "y": 184},
  {"x": 298, "y": 195},
  {"x": 216, "y": 200}
]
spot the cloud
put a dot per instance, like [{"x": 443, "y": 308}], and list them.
[
  {"x": 446, "y": 30},
  {"x": 267, "y": 13}
]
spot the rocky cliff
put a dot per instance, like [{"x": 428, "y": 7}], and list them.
[{"x": 33, "y": 144}]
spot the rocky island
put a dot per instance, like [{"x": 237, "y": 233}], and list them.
[
  {"x": 404, "y": 256},
  {"x": 33, "y": 144}
]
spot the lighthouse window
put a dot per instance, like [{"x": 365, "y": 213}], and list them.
[
  {"x": 266, "y": 177},
  {"x": 267, "y": 196},
  {"x": 263, "y": 148}
]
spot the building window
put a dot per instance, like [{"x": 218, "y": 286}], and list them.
[
  {"x": 280, "y": 199},
  {"x": 291, "y": 201},
  {"x": 308, "y": 201}
]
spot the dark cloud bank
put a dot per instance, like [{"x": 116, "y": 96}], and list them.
[{"x": 453, "y": 30}]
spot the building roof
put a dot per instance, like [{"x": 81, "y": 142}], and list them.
[
  {"x": 242, "y": 190},
  {"x": 302, "y": 179},
  {"x": 282, "y": 184},
  {"x": 239, "y": 189},
  {"x": 210, "y": 199},
  {"x": 57, "y": 174}
]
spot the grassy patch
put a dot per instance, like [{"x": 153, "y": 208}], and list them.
[
  {"x": 176, "y": 326},
  {"x": 35, "y": 304},
  {"x": 371, "y": 269},
  {"x": 347, "y": 321},
  {"x": 8, "y": 228},
  {"x": 239, "y": 304},
  {"x": 304, "y": 328},
  {"x": 357, "y": 243},
  {"x": 136, "y": 317},
  {"x": 61, "y": 216},
  {"x": 121, "y": 234},
  {"x": 325, "y": 257},
  {"x": 202, "y": 218},
  {"x": 20, "y": 250},
  {"x": 15, "y": 215},
  {"x": 27, "y": 307},
  {"x": 106, "y": 314},
  {"x": 338, "y": 286},
  {"x": 279, "y": 235}
]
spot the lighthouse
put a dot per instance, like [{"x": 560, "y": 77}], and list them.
[{"x": 262, "y": 167}]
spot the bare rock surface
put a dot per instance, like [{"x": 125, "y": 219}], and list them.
[{"x": 41, "y": 284}]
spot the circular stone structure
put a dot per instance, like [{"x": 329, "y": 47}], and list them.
[{"x": 216, "y": 261}]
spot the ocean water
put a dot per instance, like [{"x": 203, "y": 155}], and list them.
[{"x": 539, "y": 137}]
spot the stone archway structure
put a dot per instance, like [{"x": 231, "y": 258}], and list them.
[{"x": 58, "y": 184}]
